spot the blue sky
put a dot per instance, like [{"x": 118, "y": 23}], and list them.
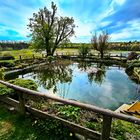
[{"x": 121, "y": 18}]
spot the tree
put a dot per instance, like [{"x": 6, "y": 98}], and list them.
[
  {"x": 100, "y": 43},
  {"x": 49, "y": 31}
]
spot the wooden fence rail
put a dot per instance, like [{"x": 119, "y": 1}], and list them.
[
  {"x": 119, "y": 55},
  {"x": 107, "y": 114}
]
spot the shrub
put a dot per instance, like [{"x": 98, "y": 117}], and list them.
[
  {"x": 5, "y": 90},
  {"x": 50, "y": 58},
  {"x": 19, "y": 82},
  {"x": 26, "y": 83},
  {"x": 83, "y": 50},
  {"x": 69, "y": 112}
]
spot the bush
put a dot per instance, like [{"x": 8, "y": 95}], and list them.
[
  {"x": 50, "y": 58},
  {"x": 26, "y": 83},
  {"x": 29, "y": 84},
  {"x": 5, "y": 90},
  {"x": 83, "y": 50}
]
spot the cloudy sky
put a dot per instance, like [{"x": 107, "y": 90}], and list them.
[{"x": 121, "y": 18}]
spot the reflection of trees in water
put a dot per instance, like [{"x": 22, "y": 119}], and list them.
[
  {"x": 98, "y": 76},
  {"x": 134, "y": 75},
  {"x": 83, "y": 66},
  {"x": 96, "y": 72},
  {"x": 53, "y": 75}
]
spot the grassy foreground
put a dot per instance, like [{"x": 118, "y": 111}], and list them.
[{"x": 15, "y": 127}]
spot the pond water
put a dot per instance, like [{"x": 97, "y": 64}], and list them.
[{"x": 92, "y": 83}]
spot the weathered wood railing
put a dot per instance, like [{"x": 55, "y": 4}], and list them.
[{"x": 107, "y": 114}]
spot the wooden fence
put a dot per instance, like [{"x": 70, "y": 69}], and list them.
[
  {"x": 118, "y": 55},
  {"x": 107, "y": 114}
]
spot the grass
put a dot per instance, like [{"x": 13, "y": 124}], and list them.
[
  {"x": 16, "y": 127},
  {"x": 24, "y": 53},
  {"x": 28, "y": 53}
]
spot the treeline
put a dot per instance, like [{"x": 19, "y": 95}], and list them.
[
  {"x": 122, "y": 46},
  {"x": 13, "y": 45}
]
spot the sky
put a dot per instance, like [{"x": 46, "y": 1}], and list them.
[{"x": 120, "y": 18}]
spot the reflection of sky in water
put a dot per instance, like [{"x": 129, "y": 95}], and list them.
[{"x": 115, "y": 89}]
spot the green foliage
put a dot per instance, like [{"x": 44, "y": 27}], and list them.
[
  {"x": 94, "y": 126},
  {"x": 121, "y": 128},
  {"x": 19, "y": 82},
  {"x": 2, "y": 70},
  {"x": 52, "y": 128},
  {"x": 5, "y": 90},
  {"x": 83, "y": 50},
  {"x": 50, "y": 58},
  {"x": 26, "y": 83},
  {"x": 69, "y": 112}
]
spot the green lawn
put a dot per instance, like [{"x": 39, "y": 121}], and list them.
[
  {"x": 15, "y": 127},
  {"x": 24, "y": 53}
]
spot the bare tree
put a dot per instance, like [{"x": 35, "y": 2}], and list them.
[{"x": 100, "y": 43}]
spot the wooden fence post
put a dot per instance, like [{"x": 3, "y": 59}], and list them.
[
  {"x": 106, "y": 127},
  {"x": 21, "y": 104},
  {"x": 20, "y": 57},
  {"x": 121, "y": 56}
]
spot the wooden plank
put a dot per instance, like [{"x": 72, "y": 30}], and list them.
[
  {"x": 74, "y": 103},
  {"x": 106, "y": 128}
]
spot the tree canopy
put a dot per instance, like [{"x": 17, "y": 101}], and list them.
[{"x": 49, "y": 31}]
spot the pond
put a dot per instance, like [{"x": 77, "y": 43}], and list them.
[{"x": 92, "y": 83}]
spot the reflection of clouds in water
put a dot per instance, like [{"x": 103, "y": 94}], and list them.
[
  {"x": 107, "y": 98},
  {"x": 116, "y": 89}
]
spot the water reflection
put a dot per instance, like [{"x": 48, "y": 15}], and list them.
[
  {"x": 93, "y": 83},
  {"x": 50, "y": 75},
  {"x": 96, "y": 73}
]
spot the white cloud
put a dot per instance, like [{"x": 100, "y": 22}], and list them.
[
  {"x": 120, "y": 35},
  {"x": 119, "y": 2},
  {"x": 127, "y": 33}
]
